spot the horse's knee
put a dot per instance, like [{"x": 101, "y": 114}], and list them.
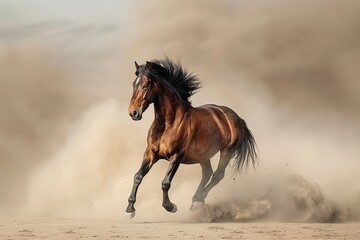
[
  {"x": 138, "y": 178},
  {"x": 165, "y": 185}
]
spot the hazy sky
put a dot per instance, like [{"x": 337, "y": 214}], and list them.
[
  {"x": 29, "y": 11},
  {"x": 79, "y": 31}
]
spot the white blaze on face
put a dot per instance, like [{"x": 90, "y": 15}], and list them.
[{"x": 137, "y": 81}]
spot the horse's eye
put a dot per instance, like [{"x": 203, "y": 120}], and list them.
[{"x": 145, "y": 85}]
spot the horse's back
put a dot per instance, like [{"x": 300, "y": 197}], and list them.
[{"x": 222, "y": 114}]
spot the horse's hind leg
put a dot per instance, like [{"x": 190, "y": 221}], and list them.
[
  {"x": 219, "y": 173},
  {"x": 206, "y": 175}
]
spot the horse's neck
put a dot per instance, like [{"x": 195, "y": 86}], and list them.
[{"x": 168, "y": 107}]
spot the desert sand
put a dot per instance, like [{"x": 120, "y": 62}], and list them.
[{"x": 67, "y": 228}]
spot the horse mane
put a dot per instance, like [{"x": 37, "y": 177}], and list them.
[{"x": 186, "y": 84}]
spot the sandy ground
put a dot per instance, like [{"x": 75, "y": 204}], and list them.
[{"x": 61, "y": 228}]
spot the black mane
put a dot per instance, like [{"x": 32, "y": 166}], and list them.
[{"x": 186, "y": 84}]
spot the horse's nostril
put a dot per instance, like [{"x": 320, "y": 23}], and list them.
[{"x": 135, "y": 113}]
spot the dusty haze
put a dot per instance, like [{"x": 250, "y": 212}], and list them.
[{"x": 290, "y": 69}]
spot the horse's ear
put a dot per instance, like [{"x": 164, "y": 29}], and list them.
[
  {"x": 136, "y": 65},
  {"x": 149, "y": 65}
]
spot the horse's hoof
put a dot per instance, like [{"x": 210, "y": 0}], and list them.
[
  {"x": 129, "y": 215},
  {"x": 197, "y": 206},
  {"x": 174, "y": 209},
  {"x": 170, "y": 208}
]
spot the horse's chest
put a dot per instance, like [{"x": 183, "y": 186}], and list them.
[
  {"x": 167, "y": 147},
  {"x": 169, "y": 143}
]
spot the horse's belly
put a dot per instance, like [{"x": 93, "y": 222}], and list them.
[
  {"x": 198, "y": 153},
  {"x": 197, "y": 158}
]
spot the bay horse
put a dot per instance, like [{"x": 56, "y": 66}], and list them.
[{"x": 181, "y": 133}]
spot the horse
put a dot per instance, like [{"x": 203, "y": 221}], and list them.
[{"x": 183, "y": 134}]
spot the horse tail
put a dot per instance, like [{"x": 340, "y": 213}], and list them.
[{"x": 245, "y": 150}]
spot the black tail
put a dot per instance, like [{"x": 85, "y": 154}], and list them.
[{"x": 245, "y": 151}]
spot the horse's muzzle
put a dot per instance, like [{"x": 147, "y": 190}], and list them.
[{"x": 136, "y": 115}]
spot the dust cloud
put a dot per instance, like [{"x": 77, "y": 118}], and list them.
[
  {"x": 288, "y": 68},
  {"x": 27, "y": 116},
  {"x": 295, "y": 200}
]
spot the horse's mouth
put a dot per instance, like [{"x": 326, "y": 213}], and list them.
[{"x": 137, "y": 118}]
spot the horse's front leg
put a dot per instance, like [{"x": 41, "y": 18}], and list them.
[
  {"x": 146, "y": 165},
  {"x": 174, "y": 163}
]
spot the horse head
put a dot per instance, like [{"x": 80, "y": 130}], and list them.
[{"x": 144, "y": 91}]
